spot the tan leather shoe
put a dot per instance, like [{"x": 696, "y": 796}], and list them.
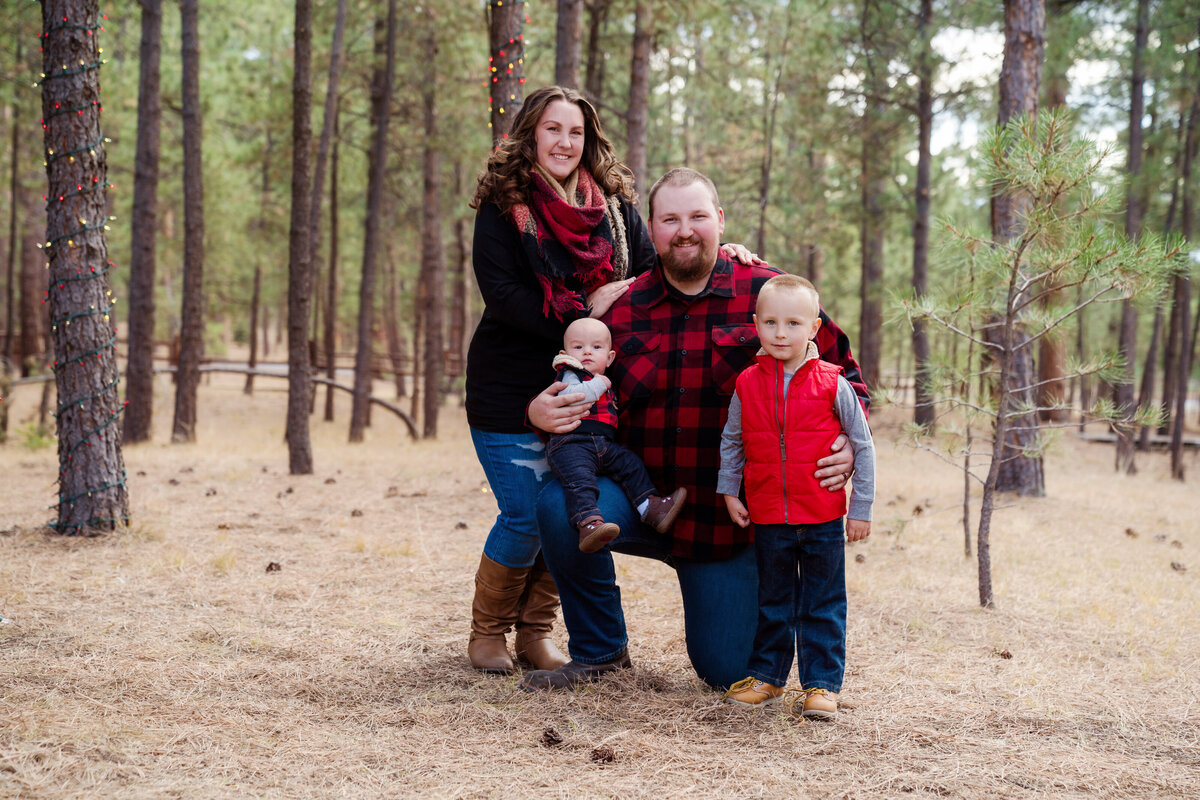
[
  {"x": 753, "y": 693},
  {"x": 498, "y": 591}
]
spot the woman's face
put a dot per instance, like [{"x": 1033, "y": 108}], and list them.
[{"x": 560, "y": 139}]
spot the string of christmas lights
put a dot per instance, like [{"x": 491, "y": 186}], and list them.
[
  {"x": 100, "y": 311},
  {"x": 514, "y": 69}
]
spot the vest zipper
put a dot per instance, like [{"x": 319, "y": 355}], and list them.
[{"x": 782, "y": 443}]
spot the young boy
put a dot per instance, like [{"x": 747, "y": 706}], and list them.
[
  {"x": 785, "y": 413},
  {"x": 579, "y": 457}
]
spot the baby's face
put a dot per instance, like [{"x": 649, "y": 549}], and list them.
[{"x": 590, "y": 343}]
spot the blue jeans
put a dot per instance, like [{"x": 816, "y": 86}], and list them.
[
  {"x": 516, "y": 469},
  {"x": 801, "y": 593},
  {"x": 720, "y": 598},
  {"x": 578, "y": 459}
]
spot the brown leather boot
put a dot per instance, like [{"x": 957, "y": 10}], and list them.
[
  {"x": 498, "y": 592},
  {"x": 538, "y": 611}
]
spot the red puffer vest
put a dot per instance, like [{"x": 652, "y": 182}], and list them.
[{"x": 783, "y": 441}]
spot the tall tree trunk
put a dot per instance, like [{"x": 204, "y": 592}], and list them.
[
  {"x": 381, "y": 93},
  {"x": 14, "y": 192},
  {"x": 391, "y": 323},
  {"x": 1020, "y": 75},
  {"x": 331, "y": 297},
  {"x": 1123, "y": 391},
  {"x": 432, "y": 260},
  {"x": 255, "y": 302},
  {"x": 34, "y": 283},
  {"x": 418, "y": 338},
  {"x": 923, "y": 410},
  {"x": 336, "y": 59},
  {"x": 507, "y": 64},
  {"x": 1183, "y": 291},
  {"x": 638, "y": 113},
  {"x": 597, "y": 24},
  {"x": 872, "y": 228},
  {"x": 569, "y": 31},
  {"x": 139, "y": 372},
  {"x": 91, "y": 482},
  {"x": 191, "y": 334},
  {"x": 771, "y": 92},
  {"x": 300, "y": 459}
]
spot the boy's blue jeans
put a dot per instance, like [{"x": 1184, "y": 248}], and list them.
[
  {"x": 720, "y": 598},
  {"x": 579, "y": 459},
  {"x": 801, "y": 604}
]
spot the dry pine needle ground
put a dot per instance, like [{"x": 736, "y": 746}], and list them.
[{"x": 170, "y": 662}]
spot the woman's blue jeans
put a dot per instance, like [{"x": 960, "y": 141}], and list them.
[
  {"x": 720, "y": 598},
  {"x": 516, "y": 470},
  {"x": 801, "y": 604}
]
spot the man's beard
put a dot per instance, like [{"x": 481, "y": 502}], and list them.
[{"x": 689, "y": 269}]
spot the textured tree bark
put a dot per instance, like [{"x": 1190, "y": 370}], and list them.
[
  {"x": 14, "y": 192},
  {"x": 1020, "y": 75},
  {"x": 923, "y": 411},
  {"x": 507, "y": 60},
  {"x": 34, "y": 283},
  {"x": 432, "y": 262},
  {"x": 191, "y": 333},
  {"x": 638, "y": 113},
  {"x": 300, "y": 459},
  {"x": 255, "y": 302},
  {"x": 336, "y": 60},
  {"x": 331, "y": 298},
  {"x": 1183, "y": 293},
  {"x": 92, "y": 496},
  {"x": 568, "y": 38},
  {"x": 139, "y": 371},
  {"x": 381, "y": 93}
]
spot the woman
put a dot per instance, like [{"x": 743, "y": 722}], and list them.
[{"x": 557, "y": 237}]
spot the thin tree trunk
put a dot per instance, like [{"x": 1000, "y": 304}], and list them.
[
  {"x": 638, "y": 114},
  {"x": 381, "y": 93},
  {"x": 300, "y": 458},
  {"x": 139, "y": 373},
  {"x": 569, "y": 30},
  {"x": 391, "y": 324},
  {"x": 1123, "y": 392},
  {"x": 432, "y": 259},
  {"x": 336, "y": 59},
  {"x": 507, "y": 64},
  {"x": 1020, "y": 75},
  {"x": 191, "y": 335},
  {"x": 14, "y": 192},
  {"x": 1183, "y": 293},
  {"x": 91, "y": 482},
  {"x": 597, "y": 24},
  {"x": 771, "y": 93},
  {"x": 418, "y": 338},
  {"x": 34, "y": 283},
  {"x": 255, "y": 301},
  {"x": 331, "y": 297},
  {"x": 923, "y": 410}
]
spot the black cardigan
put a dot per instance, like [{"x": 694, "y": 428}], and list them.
[{"x": 510, "y": 357}]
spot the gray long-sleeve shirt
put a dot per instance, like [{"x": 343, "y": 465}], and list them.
[{"x": 854, "y": 423}]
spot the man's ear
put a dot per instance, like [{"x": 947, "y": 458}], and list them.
[{"x": 720, "y": 220}]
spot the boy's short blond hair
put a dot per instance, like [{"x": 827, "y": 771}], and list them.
[{"x": 789, "y": 283}]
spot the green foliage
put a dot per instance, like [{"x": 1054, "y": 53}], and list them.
[{"x": 35, "y": 436}]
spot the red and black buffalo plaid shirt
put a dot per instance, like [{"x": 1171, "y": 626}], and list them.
[{"x": 678, "y": 359}]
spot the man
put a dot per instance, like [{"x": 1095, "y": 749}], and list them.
[{"x": 682, "y": 332}]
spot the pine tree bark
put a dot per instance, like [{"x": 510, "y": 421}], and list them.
[
  {"x": 331, "y": 297},
  {"x": 336, "y": 59},
  {"x": 1020, "y": 76},
  {"x": 432, "y": 261},
  {"x": 1123, "y": 391},
  {"x": 92, "y": 496},
  {"x": 139, "y": 371},
  {"x": 568, "y": 36},
  {"x": 34, "y": 283},
  {"x": 255, "y": 303},
  {"x": 300, "y": 458},
  {"x": 191, "y": 333},
  {"x": 923, "y": 410},
  {"x": 1183, "y": 291},
  {"x": 638, "y": 113},
  {"x": 506, "y": 22},
  {"x": 14, "y": 192},
  {"x": 381, "y": 93}
]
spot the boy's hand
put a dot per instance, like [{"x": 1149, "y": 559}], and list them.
[
  {"x": 857, "y": 530},
  {"x": 737, "y": 510},
  {"x": 607, "y": 382}
]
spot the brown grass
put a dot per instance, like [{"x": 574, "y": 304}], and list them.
[{"x": 168, "y": 662}]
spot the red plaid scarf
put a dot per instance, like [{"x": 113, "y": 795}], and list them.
[{"x": 570, "y": 247}]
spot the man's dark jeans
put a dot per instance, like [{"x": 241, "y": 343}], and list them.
[{"x": 578, "y": 459}]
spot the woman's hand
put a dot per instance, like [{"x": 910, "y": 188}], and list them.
[
  {"x": 601, "y": 300},
  {"x": 834, "y": 469},
  {"x": 554, "y": 413},
  {"x": 739, "y": 252}
]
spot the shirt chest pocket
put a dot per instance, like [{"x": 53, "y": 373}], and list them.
[
  {"x": 733, "y": 349},
  {"x": 635, "y": 372}
]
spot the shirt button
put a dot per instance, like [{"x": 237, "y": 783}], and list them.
[
  {"x": 687, "y": 316},
  {"x": 679, "y": 430},
  {"x": 683, "y": 352},
  {"x": 741, "y": 338},
  {"x": 682, "y": 390}
]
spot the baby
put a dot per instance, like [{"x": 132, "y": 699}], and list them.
[{"x": 579, "y": 457}]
